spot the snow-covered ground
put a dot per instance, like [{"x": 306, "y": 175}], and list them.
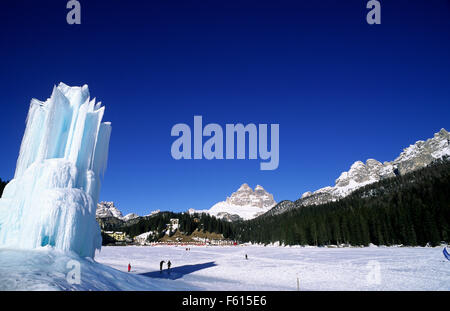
[
  {"x": 277, "y": 268},
  {"x": 225, "y": 268},
  {"x": 51, "y": 269}
]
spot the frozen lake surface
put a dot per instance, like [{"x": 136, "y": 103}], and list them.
[
  {"x": 277, "y": 268},
  {"x": 225, "y": 268}
]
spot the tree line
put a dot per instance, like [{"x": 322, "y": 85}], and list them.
[{"x": 412, "y": 210}]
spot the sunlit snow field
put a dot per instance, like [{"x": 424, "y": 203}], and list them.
[
  {"x": 225, "y": 268},
  {"x": 277, "y": 268}
]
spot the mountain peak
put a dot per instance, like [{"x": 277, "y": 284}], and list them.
[
  {"x": 259, "y": 188},
  {"x": 245, "y": 187},
  {"x": 442, "y": 132},
  {"x": 356, "y": 165},
  {"x": 107, "y": 209},
  {"x": 244, "y": 203}
]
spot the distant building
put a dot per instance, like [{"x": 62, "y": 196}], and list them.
[{"x": 117, "y": 235}]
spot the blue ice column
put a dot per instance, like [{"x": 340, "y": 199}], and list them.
[{"x": 52, "y": 199}]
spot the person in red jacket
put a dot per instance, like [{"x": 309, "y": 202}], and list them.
[{"x": 129, "y": 267}]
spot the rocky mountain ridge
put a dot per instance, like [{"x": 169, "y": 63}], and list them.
[{"x": 416, "y": 156}]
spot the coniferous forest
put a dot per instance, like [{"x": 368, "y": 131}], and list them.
[
  {"x": 187, "y": 224},
  {"x": 413, "y": 209}
]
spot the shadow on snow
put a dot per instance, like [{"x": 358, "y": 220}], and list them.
[{"x": 178, "y": 272}]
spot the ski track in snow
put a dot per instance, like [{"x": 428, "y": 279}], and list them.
[{"x": 277, "y": 268}]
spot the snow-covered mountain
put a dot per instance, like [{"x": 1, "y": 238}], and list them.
[
  {"x": 153, "y": 213},
  {"x": 245, "y": 203},
  {"x": 414, "y": 157},
  {"x": 129, "y": 216},
  {"x": 108, "y": 209}
]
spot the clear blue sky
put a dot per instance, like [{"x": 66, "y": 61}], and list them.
[{"x": 340, "y": 89}]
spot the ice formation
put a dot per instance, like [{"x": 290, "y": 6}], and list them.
[{"x": 52, "y": 198}]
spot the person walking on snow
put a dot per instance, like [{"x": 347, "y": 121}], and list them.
[
  {"x": 129, "y": 267},
  {"x": 161, "y": 266},
  {"x": 168, "y": 266}
]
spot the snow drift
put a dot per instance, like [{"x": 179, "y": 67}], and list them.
[{"x": 52, "y": 198}]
